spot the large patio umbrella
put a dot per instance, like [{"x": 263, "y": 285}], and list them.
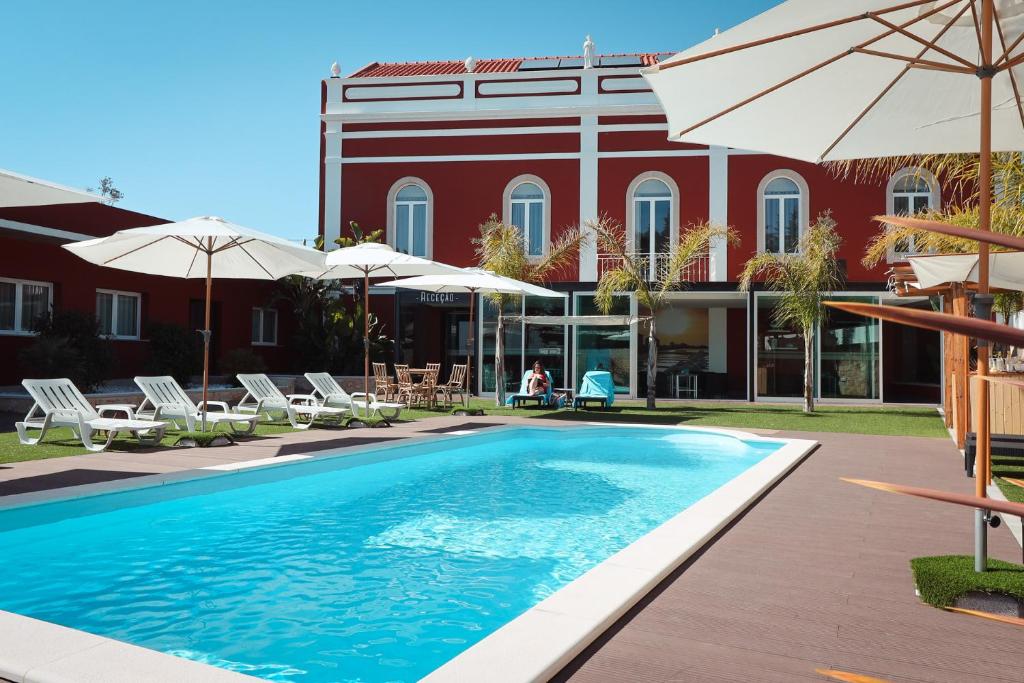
[
  {"x": 820, "y": 81},
  {"x": 473, "y": 281},
  {"x": 371, "y": 259},
  {"x": 206, "y": 247},
  {"x": 22, "y": 190}
]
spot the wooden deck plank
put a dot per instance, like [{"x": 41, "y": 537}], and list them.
[{"x": 817, "y": 575}]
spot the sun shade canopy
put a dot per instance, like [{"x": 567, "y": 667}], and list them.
[
  {"x": 473, "y": 280},
  {"x": 21, "y": 190},
  {"x": 1006, "y": 269}
]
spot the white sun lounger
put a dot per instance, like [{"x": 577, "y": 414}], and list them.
[
  {"x": 59, "y": 403},
  {"x": 329, "y": 393},
  {"x": 262, "y": 397},
  {"x": 165, "y": 399}
]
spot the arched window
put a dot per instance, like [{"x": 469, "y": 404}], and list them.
[
  {"x": 782, "y": 212},
  {"x": 527, "y": 206},
  {"x": 410, "y": 217},
  {"x": 652, "y": 219},
  {"x": 910, "y": 191}
]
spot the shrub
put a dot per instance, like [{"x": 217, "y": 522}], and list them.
[
  {"x": 69, "y": 345},
  {"x": 174, "y": 351},
  {"x": 241, "y": 362}
]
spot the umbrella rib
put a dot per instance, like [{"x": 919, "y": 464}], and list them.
[
  {"x": 195, "y": 254},
  {"x": 917, "y": 62},
  {"x": 785, "y": 36},
  {"x": 132, "y": 251},
  {"x": 889, "y": 87},
  {"x": 814, "y": 68},
  {"x": 246, "y": 252},
  {"x": 1013, "y": 79},
  {"x": 977, "y": 24},
  {"x": 927, "y": 44},
  {"x": 230, "y": 244}
]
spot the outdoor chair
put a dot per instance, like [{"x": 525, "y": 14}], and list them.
[
  {"x": 263, "y": 397},
  {"x": 454, "y": 385},
  {"x": 523, "y": 395},
  {"x": 410, "y": 393},
  {"x": 165, "y": 399},
  {"x": 597, "y": 387},
  {"x": 382, "y": 382},
  {"x": 331, "y": 394},
  {"x": 59, "y": 403}
]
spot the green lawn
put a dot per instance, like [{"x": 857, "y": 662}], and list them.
[
  {"x": 941, "y": 580},
  {"x": 1009, "y": 466},
  {"x": 901, "y": 421}
]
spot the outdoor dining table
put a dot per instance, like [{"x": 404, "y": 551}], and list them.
[{"x": 421, "y": 373}]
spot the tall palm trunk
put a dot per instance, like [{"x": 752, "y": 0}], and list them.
[
  {"x": 499, "y": 360},
  {"x": 809, "y": 371},
  {"x": 652, "y": 363}
]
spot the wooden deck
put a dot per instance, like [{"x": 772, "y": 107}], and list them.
[{"x": 817, "y": 575}]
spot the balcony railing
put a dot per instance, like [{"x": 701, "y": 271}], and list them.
[{"x": 698, "y": 270}]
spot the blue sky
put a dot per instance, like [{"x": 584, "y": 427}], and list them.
[{"x": 211, "y": 107}]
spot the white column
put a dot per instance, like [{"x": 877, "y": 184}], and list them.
[
  {"x": 718, "y": 210},
  {"x": 588, "y": 192},
  {"x": 332, "y": 184},
  {"x": 717, "y": 340}
]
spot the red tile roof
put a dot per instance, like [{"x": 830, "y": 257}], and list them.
[{"x": 503, "y": 65}]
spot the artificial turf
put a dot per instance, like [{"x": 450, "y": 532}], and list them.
[
  {"x": 944, "y": 578},
  {"x": 853, "y": 420}
]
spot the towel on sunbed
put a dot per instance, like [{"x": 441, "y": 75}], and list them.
[
  {"x": 524, "y": 388},
  {"x": 597, "y": 384}
]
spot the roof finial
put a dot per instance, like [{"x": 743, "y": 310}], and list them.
[
  {"x": 335, "y": 70},
  {"x": 717, "y": 31},
  {"x": 588, "y": 53},
  {"x": 470, "y": 64}
]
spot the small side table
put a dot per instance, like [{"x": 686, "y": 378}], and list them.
[{"x": 127, "y": 408}]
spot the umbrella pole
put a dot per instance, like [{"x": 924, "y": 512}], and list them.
[
  {"x": 983, "y": 302},
  {"x": 366, "y": 341},
  {"x": 206, "y": 332},
  {"x": 469, "y": 349}
]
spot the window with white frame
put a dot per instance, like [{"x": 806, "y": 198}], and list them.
[
  {"x": 527, "y": 214},
  {"x": 782, "y": 203},
  {"x": 652, "y": 222},
  {"x": 119, "y": 313},
  {"x": 264, "y": 327},
  {"x": 411, "y": 208},
  {"x": 911, "y": 191},
  {"x": 22, "y": 303}
]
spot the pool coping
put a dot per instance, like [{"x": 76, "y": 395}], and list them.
[
  {"x": 533, "y": 646},
  {"x": 539, "y": 643}
]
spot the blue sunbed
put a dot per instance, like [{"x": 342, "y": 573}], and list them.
[
  {"x": 597, "y": 387},
  {"x": 523, "y": 395}
]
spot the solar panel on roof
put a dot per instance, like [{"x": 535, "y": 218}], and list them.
[
  {"x": 575, "y": 63},
  {"x": 538, "y": 64},
  {"x": 630, "y": 60}
]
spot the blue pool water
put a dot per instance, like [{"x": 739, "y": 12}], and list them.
[{"x": 375, "y": 566}]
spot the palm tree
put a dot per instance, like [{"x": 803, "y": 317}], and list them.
[
  {"x": 803, "y": 281},
  {"x": 631, "y": 273},
  {"x": 501, "y": 250}
]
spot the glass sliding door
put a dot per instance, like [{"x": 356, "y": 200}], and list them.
[
  {"x": 604, "y": 348},
  {"x": 513, "y": 345},
  {"x": 850, "y": 355},
  {"x": 546, "y": 343},
  {"x": 780, "y": 355}
]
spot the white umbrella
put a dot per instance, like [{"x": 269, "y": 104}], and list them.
[
  {"x": 205, "y": 247},
  {"x": 1005, "y": 270},
  {"x": 371, "y": 259},
  {"x": 472, "y": 281},
  {"x": 820, "y": 80},
  {"x": 22, "y": 190}
]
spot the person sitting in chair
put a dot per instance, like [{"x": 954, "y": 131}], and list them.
[{"x": 538, "y": 382}]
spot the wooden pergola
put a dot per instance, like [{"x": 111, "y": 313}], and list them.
[{"x": 956, "y": 348}]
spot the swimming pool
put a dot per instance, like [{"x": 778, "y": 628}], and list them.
[{"x": 381, "y": 565}]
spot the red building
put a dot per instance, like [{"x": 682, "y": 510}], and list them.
[
  {"x": 36, "y": 275},
  {"x": 429, "y": 150}
]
